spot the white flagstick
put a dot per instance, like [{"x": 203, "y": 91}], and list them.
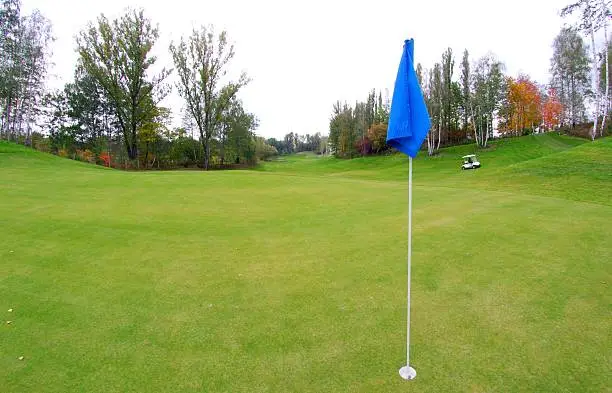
[{"x": 408, "y": 372}]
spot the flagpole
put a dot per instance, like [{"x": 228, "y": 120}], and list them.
[{"x": 408, "y": 372}]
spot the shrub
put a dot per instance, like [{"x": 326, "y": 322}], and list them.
[
  {"x": 378, "y": 135},
  {"x": 105, "y": 158},
  {"x": 363, "y": 146},
  {"x": 86, "y": 156}
]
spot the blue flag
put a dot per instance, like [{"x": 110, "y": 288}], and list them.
[{"x": 408, "y": 121}]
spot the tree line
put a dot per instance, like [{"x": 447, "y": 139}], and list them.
[
  {"x": 24, "y": 62},
  {"x": 111, "y": 112},
  {"x": 296, "y": 143},
  {"x": 467, "y": 107}
]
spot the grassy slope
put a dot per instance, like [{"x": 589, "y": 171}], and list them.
[
  {"x": 294, "y": 279},
  {"x": 547, "y": 164}
]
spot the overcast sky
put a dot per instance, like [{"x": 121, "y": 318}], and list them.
[{"x": 303, "y": 56}]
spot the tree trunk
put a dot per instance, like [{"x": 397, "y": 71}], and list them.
[
  {"x": 222, "y": 153},
  {"x": 572, "y": 94},
  {"x": 5, "y": 121},
  {"x": 108, "y": 147},
  {"x": 146, "y": 155},
  {"x": 7, "y": 118},
  {"x": 564, "y": 107},
  {"x": 14, "y": 119},
  {"x": 207, "y": 155},
  {"x": 133, "y": 152},
  {"x": 474, "y": 125},
  {"x": 439, "y": 136},
  {"x": 134, "y": 142},
  {"x": 481, "y": 131},
  {"x": 131, "y": 149},
  {"x": 487, "y": 131},
  {"x": 206, "y": 140},
  {"x": 596, "y": 81},
  {"x": 195, "y": 153},
  {"x": 607, "y": 92}
]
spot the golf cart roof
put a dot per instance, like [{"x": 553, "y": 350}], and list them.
[{"x": 469, "y": 155}]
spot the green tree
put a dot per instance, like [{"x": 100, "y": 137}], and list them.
[
  {"x": 378, "y": 135},
  {"x": 419, "y": 74},
  {"x": 57, "y": 123},
  {"x": 342, "y": 130},
  {"x": 264, "y": 151},
  {"x": 117, "y": 54},
  {"x": 360, "y": 127},
  {"x": 237, "y": 138},
  {"x": 371, "y": 108},
  {"x": 201, "y": 62},
  {"x": 91, "y": 110},
  {"x": 24, "y": 61},
  {"x": 152, "y": 131},
  {"x": 185, "y": 150}
]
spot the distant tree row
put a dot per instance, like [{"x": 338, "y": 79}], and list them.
[
  {"x": 295, "y": 143},
  {"x": 481, "y": 99},
  {"x": 111, "y": 113}
]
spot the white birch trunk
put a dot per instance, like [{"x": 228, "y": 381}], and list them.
[
  {"x": 439, "y": 131},
  {"x": 486, "y": 134},
  {"x": 596, "y": 81},
  {"x": 607, "y": 92},
  {"x": 474, "y": 125}
]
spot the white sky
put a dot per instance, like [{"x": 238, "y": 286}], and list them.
[{"x": 303, "y": 56}]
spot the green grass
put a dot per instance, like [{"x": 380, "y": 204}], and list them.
[{"x": 291, "y": 278}]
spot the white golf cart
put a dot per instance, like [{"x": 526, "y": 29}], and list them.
[{"x": 470, "y": 162}]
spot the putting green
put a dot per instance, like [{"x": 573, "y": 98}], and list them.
[{"x": 292, "y": 277}]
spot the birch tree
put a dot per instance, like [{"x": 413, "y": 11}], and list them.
[
  {"x": 488, "y": 87},
  {"x": 24, "y": 61},
  {"x": 605, "y": 85},
  {"x": 594, "y": 15},
  {"x": 570, "y": 74},
  {"x": 606, "y": 58}
]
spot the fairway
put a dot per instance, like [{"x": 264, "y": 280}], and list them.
[{"x": 292, "y": 277}]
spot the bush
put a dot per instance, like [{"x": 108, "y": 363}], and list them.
[
  {"x": 85, "y": 156},
  {"x": 105, "y": 158},
  {"x": 364, "y": 146},
  {"x": 39, "y": 142},
  {"x": 377, "y": 134}
]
